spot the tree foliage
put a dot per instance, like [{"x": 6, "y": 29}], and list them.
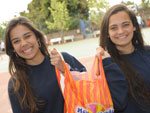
[
  {"x": 39, "y": 12},
  {"x": 77, "y": 7},
  {"x": 1, "y": 33},
  {"x": 145, "y": 4},
  {"x": 97, "y": 9},
  {"x": 2, "y": 30},
  {"x": 128, "y": 3},
  {"x": 60, "y": 16}
]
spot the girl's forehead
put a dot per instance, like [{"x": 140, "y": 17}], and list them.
[
  {"x": 119, "y": 17},
  {"x": 19, "y": 31},
  {"x": 119, "y": 13}
]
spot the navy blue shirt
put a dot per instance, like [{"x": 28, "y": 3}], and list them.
[
  {"x": 44, "y": 83},
  {"x": 140, "y": 60},
  {"x": 45, "y": 86}
]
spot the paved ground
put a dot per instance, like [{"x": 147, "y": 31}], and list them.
[{"x": 84, "y": 50}]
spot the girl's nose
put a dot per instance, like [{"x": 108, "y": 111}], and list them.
[
  {"x": 23, "y": 42},
  {"x": 120, "y": 30}
]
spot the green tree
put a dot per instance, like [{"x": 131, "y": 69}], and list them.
[
  {"x": 2, "y": 30},
  {"x": 38, "y": 12},
  {"x": 97, "y": 9},
  {"x": 60, "y": 16},
  {"x": 1, "y": 33},
  {"x": 128, "y": 3},
  {"x": 145, "y": 9},
  {"x": 77, "y": 9},
  {"x": 145, "y": 4}
]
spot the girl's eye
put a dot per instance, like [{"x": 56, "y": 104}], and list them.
[
  {"x": 27, "y": 36},
  {"x": 125, "y": 25},
  {"x": 16, "y": 41},
  {"x": 113, "y": 28}
]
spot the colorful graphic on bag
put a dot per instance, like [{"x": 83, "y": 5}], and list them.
[
  {"x": 86, "y": 92},
  {"x": 93, "y": 108}
]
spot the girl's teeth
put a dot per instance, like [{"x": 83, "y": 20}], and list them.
[{"x": 28, "y": 50}]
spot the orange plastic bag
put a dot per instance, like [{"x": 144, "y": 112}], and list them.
[{"x": 86, "y": 92}]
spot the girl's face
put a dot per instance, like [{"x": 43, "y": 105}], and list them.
[
  {"x": 25, "y": 44},
  {"x": 121, "y": 31}
]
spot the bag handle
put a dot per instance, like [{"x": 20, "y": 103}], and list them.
[
  {"x": 96, "y": 69},
  {"x": 97, "y": 66}
]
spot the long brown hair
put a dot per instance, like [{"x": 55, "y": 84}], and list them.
[
  {"x": 136, "y": 85},
  {"x": 18, "y": 67}
]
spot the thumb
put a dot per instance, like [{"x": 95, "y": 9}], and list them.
[{"x": 54, "y": 51}]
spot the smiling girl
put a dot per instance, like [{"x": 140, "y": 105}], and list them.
[
  {"x": 123, "y": 50},
  {"x": 33, "y": 85}
]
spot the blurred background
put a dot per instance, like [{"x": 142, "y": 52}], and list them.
[{"x": 67, "y": 19}]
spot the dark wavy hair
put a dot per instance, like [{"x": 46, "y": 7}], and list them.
[
  {"x": 18, "y": 67},
  {"x": 136, "y": 85}
]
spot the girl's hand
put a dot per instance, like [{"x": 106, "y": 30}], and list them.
[
  {"x": 101, "y": 51},
  {"x": 56, "y": 59}
]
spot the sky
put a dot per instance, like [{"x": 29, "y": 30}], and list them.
[{"x": 9, "y": 8}]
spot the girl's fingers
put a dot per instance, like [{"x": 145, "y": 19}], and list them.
[
  {"x": 99, "y": 51},
  {"x": 102, "y": 52},
  {"x": 53, "y": 51}
]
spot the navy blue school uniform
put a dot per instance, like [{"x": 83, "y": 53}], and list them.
[
  {"x": 45, "y": 86},
  {"x": 140, "y": 60}
]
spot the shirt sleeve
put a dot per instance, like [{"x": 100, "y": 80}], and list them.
[
  {"x": 15, "y": 105},
  {"x": 117, "y": 84},
  {"x": 73, "y": 63}
]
